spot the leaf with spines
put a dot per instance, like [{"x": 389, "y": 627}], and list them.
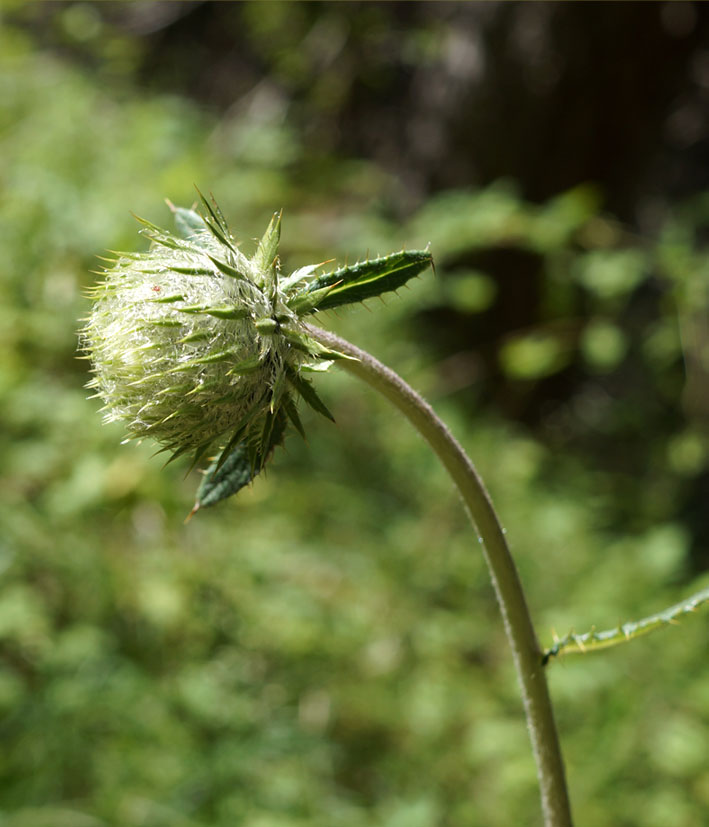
[
  {"x": 292, "y": 414},
  {"x": 228, "y": 270},
  {"x": 360, "y": 281},
  {"x": 306, "y": 344},
  {"x": 267, "y": 251},
  {"x": 215, "y": 218},
  {"x": 159, "y": 236},
  {"x": 309, "y": 394},
  {"x": 243, "y": 462},
  {"x": 590, "y": 641}
]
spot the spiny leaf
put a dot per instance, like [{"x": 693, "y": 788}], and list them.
[
  {"x": 236, "y": 438},
  {"x": 225, "y": 312},
  {"x": 216, "y": 223},
  {"x": 267, "y": 250},
  {"x": 176, "y": 297},
  {"x": 214, "y": 213},
  {"x": 301, "y": 274},
  {"x": 306, "y": 344},
  {"x": 164, "y": 322},
  {"x": 292, "y": 412},
  {"x": 233, "y": 272},
  {"x": 307, "y": 391},
  {"x": 234, "y": 474},
  {"x": 308, "y": 301},
  {"x": 593, "y": 640},
  {"x": 211, "y": 358},
  {"x": 192, "y": 271},
  {"x": 277, "y": 391},
  {"x": 364, "y": 280},
  {"x": 244, "y": 462},
  {"x": 268, "y": 424},
  {"x": 247, "y": 366},
  {"x": 160, "y": 236},
  {"x": 219, "y": 235}
]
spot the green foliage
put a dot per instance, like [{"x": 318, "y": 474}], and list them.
[
  {"x": 326, "y": 650},
  {"x": 366, "y": 279},
  {"x": 237, "y": 466}
]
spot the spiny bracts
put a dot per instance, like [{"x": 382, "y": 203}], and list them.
[{"x": 201, "y": 348}]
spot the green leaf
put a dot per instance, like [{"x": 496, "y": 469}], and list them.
[
  {"x": 225, "y": 312},
  {"x": 225, "y": 268},
  {"x": 210, "y": 358},
  {"x": 590, "y": 641},
  {"x": 247, "y": 366},
  {"x": 160, "y": 236},
  {"x": 363, "y": 280},
  {"x": 219, "y": 484},
  {"x": 306, "y": 344},
  {"x": 292, "y": 413},
  {"x": 265, "y": 256},
  {"x": 226, "y": 477},
  {"x": 192, "y": 271},
  {"x": 176, "y": 297},
  {"x": 188, "y": 222},
  {"x": 216, "y": 223},
  {"x": 308, "y": 301},
  {"x": 307, "y": 391}
]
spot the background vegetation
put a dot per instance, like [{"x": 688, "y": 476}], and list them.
[{"x": 325, "y": 649}]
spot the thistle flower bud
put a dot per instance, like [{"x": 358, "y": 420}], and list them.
[
  {"x": 196, "y": 345},
  {"x": 184, "y": 353}
]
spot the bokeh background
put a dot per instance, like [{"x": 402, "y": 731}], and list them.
[{"x": 324, "y": 650}]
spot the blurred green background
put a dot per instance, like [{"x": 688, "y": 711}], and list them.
[{"x": 325, "y": 650}]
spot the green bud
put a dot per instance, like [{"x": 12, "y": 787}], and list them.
[
  {"x": 198, "y": 346},
  {"x": 183, "y": 350}
]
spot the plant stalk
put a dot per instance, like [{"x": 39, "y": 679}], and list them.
[{"x": 527, "y": 654}]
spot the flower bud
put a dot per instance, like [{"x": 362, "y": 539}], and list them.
[
  {"x": 182, "y": 358},
  {"x": 196, "y": 345},
  {"x": 187, "y": 340}
]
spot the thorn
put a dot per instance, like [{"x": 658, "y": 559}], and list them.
[
  {"x": 323, "y": 263},
  {"x": 195, "y": 509},
  {"x": 170, "y": 206}
]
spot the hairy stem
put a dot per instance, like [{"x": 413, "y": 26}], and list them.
[{"x": 508, "y": 588}]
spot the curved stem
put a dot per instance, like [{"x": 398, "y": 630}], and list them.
[{"x": 508, "y": 588}]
